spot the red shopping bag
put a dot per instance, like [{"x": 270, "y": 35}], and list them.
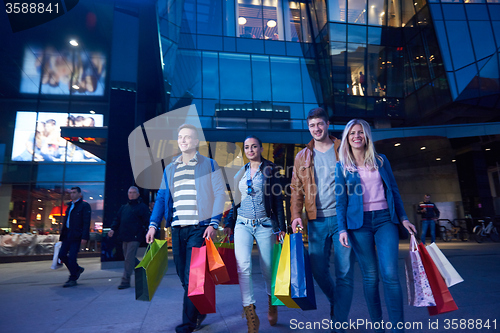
[
  {"x": 201, "y": 288},
  {"x": 226, "y": 251},
  {"x": 442, "y": 296},
  {"x": 216, "y": 265}
]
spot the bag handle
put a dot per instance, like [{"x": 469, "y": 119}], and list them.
[{"x": 413, "y": 243}]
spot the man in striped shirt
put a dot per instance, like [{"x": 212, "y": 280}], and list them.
[{"x": 191, "y": 199}]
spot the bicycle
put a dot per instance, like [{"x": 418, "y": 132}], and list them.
[
  {"x": 457, "y": 231},
  {"x": 481, "y": 231}
]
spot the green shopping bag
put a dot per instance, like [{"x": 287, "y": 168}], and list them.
[
  {"x": 150, "y": 271},
  {"x": 276, "y": 260}
]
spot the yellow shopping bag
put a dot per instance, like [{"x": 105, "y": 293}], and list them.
[{"x": 282, "y": 285}]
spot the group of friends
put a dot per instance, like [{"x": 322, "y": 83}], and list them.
[{"x": 348, "y": 192}]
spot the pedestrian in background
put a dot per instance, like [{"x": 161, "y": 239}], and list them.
[
  {"x": 75, "y": 233},
  {"x": 131, "y": 223},
  {"x": 369, "y": 209},
  {"x": 430, "y": 214}
]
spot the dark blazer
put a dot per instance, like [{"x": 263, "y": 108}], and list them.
[
  {"x": 79, "y": 222},
  {"x": 350, "y": 198},
  {"x": 273, "y": 201}
]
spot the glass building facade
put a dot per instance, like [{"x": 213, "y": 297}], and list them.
[{"x": 413, "y": 68}]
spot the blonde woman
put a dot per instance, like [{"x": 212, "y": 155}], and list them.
[{"x": 369, "y": 209}]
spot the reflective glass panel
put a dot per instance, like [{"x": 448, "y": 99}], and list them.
[
  {"x": 376, "y": 12},
  {"x": 209, "y": 17},
  {"x": 338, "y": 32},
  {"x": 356, "y": 34},
  {"x": 336, "y": 10},
  {"x": 235, "y": 76},
  {"x": 394, "y": 13},
  {"x": 375, "y": 72},
  {"x": 356, "y": 65},
  {"x": 286, "y": 79},
  {"x": 261, "y": 78},
  {"x": 356, "y": 11},
  {"x": 210, "y": 75},
  {"x": 460, "y": 44},
  {"x": 482, "y": 38},
  {"x": 454, "y": 12}
]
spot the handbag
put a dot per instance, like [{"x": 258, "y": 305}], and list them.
[
  {"x": 282, "y": 286},
  {"x": 226, "y": 251},
  {"x": 216, "y": 265},
  {"x": 150, "y": 271},
  {"x": 275, "y": 263},
  {"x": 448, "y": 272},
  {"x": 56, "y": 262},
  {"x": 301, "y": 279},
  {"x": 442, "y": 296},
  {"x": 417, "y": 283},
  {"x": 201, "y": 287}
]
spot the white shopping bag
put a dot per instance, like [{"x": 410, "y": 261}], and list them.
[
  {"x": 448, "y": 272},
  {"x": 56, "y": 262},
  {"x": 417, "y": 283}
]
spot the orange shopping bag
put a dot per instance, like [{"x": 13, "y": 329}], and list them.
[{"x": 216, "y": 266}]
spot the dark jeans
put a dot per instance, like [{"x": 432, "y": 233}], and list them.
[
  {"x": 426, "y": 224},
  {"x": 68, "y": 253},
  {"x": 183, "y": 240}
]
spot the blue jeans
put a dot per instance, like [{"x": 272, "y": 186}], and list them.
[
  {"x": 183, "y": 240},
  {"x": 322, "y": 234},
  {"x": 379, "y": 237},
  {"x": 245, "y": 231},
  {"x": 426, "y": 224}
]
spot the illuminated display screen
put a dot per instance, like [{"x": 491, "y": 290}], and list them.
[
  {"x": 37, "y": 137},
  {"x": 59, "y": 71}
]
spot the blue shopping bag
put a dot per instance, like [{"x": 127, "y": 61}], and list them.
[{"x": 301, "y": 279}]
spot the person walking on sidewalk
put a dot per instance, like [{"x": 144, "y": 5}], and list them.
[
  {"x": 74, "y": 234},
  {"x": 312, "y": 187},
  {"x": 369, "y": 208},
  {"x": 258, "y": 215},
  {"x": 430, "y": 214},
  {"x": 191, "y": 198},
  {"x": 131, "y": 223}
]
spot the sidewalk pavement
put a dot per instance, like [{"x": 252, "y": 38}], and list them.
[{"x": 33, "y": 300}]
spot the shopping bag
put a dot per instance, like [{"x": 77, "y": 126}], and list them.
[
  {"x": 417, "y": 283},
  {"x": 448, "y": 272},
  {"x": 150, "y": 271},
  {"x": 301, "y": 279},
  {"x": 216, "y": 265},
  {"x": 442, "y": 296},
  {"x": 56, "y": 262},
  {"x": 226, "y": 251},
  {"x": 282, "y": 287},
  {"x": 275, "y": 263},
  {"x": 201, "y": 288}
]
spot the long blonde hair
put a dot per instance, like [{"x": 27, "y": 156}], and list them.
[{"x": 346, "y": 156}]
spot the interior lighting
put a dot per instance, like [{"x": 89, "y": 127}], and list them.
[
  {"x": 75, "y": 87},
  {"x": 242, "y": 20},
  {"x": 488, "y": 149},
  {"x": 40, "y": 208},
  {"x": 91, "y": 198},
  {"x": 100, "y": 195},
  {"x": 39, "y": 200},
  {"x": 382, "y": 14},
  {"x": 397, "y": 144},
  {"x": 373, "y": 6},
  {"x": 38, "y": 217},
  {"x": 14, "y": 221},
  {"x": 438, "y": 159},
  {"x": 271, "y": 23},
  {"x": 92, "y": 111},
  {"x": 422, "y": 148},
  {"x": 73, "y": 42},
  {"x": 453, "y": 161},
  {"x": 415, "y": 3}
]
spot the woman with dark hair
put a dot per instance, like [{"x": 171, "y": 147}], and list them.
[
  {"x": 369, "y": 209},
  {"x": 256, "y": 215}
]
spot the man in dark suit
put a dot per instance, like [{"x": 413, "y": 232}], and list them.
[{"x": 74, "y": 234}]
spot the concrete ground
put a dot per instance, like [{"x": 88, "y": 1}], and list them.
[{"x": 33, "y": 300}]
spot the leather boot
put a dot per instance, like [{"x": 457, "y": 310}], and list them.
[
  {"x": 253, "y": 321},
  {"x": 272, "y": 314}
]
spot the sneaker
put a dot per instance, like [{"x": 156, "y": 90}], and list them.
[
  {"x": 124, "y": 286},
  {"x": 200, "y": 320},
  {"x": 80, "y": 271},
  {"x": 69, "y": 283}
]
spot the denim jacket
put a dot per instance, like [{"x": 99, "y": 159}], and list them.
[
  {"x": 273, "y": 199},
  {"x": 350, "y": 198},
  {"x": 210, "y": 194}
]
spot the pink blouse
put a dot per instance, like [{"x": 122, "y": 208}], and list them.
[{"x": 373, "y": 190}]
